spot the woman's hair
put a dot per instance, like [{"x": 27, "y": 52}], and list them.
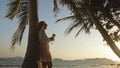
[{"x": 40, "y": 24}]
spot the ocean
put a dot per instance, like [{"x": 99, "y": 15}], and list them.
[
  {"x": 79, "y": 64},
  {"x": 59, "y": 63}
]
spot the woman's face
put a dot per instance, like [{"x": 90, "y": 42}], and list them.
[{"x": 44, "y": 26}]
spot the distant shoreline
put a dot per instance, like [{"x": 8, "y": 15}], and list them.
[{"x": 10, "y": 65}]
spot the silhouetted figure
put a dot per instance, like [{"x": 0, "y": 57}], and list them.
[{"x": 45, "y": 56}]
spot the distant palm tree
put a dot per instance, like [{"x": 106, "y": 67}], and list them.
[
  {"x": 27, "y": 13},
  {"x": 88, "y": 14}
]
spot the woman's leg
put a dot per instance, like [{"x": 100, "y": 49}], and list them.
[
  {"x": 44, "y": 64},
  {"x": 50, "y": 64}
]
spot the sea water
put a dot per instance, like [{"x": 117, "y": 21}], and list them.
[{"x": 80, "y": 64}]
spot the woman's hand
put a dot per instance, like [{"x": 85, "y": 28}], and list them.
[{"x": 52, "y": 37}]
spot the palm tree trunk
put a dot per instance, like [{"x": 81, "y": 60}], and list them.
[
  {"x": 32, "y": 54},
  {"x": 101, "y": 29}
]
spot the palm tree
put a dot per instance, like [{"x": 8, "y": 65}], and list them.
[
  {"x": 27, "y": 13},
  {"x": 101, "y": 29},
  {"x": 88, "y": 14},
  {"x": 32, "y": 55}
]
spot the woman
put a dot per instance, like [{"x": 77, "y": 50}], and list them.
[{"x": 45, "y": 56}]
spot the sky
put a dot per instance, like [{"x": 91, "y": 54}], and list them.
[{"x": 65, "y": 46}]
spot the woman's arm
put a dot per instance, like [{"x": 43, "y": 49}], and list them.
[
  {"x": 42, "y": 37},
  {"x": 52, "y": 38}
]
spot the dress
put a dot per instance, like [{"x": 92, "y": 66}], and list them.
[{"x": 45, "y": 55}]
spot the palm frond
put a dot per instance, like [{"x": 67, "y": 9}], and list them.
[
  {"x": 70, "y": 28},
  {"x": 79, "y": 31},
  {"x": 71, "y": 4},
  {"x": 19, "y": 9},
  {"x": 17, "y": 36},
  {"x": 55, "y": 9},
  {"x": 65, "y": 18},
  {"x": 79, "y": 17},
  {"x": 14, "y": 8}
]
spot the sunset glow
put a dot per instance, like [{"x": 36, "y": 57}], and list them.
[{"x": 65, "y": 46}]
